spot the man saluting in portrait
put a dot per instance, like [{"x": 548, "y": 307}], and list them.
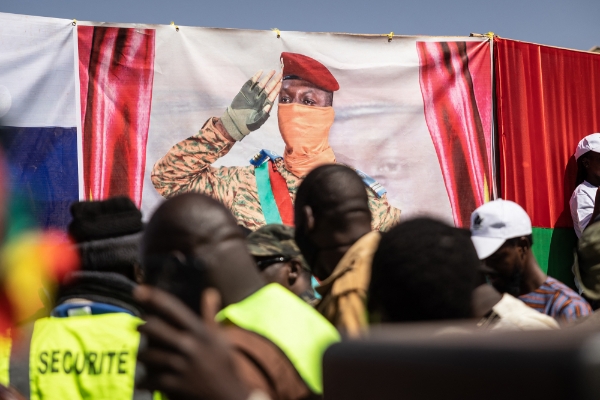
[{"x": 264, "y": 191}]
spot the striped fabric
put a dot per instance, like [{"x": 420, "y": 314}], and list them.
[{"x": 557, "y": 300}]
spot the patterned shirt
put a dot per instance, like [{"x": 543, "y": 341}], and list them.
[
  {"x": 187, "y": 168},
  {"x": 557, "y": 300}
]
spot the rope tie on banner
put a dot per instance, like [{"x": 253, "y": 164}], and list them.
[
  {"x": 74, "y": 22},
  {"x": 176, "y": 27},
  {"x": 277, "y": 31},
  {"x": 390, "y": 36},
  {"x": 490, "y": 35}
]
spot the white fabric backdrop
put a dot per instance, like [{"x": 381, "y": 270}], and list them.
[{"x": 380, "y": 124}]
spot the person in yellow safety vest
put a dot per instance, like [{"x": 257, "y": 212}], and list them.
[
  {"x": 193, "y": 248},
  {"x": 5, "y": 347},
  {"x": 87, "y": 347}
]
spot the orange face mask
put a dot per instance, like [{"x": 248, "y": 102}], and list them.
[{"x": 305, "y": 131}]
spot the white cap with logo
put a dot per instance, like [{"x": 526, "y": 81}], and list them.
[
  {"x": 494, "y": 223},
  {"x": 588, "y": 143}
]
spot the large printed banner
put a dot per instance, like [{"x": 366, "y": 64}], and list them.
[
  {"x": 548, "y": 100},
  {"x": 38, "y": 110},
  {"x": 96, "y": 106}
]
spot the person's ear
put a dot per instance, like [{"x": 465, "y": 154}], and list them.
[
  {"x": 138, "y": 274},
  {"x": 309, "y": 217},
  {"x": 210, "y": 305},
  {"x": 294, "y": 271},
  {"x": 523, "y": 246},
  {"x": 524, "y": 243},
  {"x": 586, "y": 162}
]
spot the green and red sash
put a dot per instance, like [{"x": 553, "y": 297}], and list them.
[{"x": 273, "y": 192}]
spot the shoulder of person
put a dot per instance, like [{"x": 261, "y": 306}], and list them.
[
  {"x": 566, "y": 291},
  {"x": 375, "y": 188},
  {"x": 263, "y": 156},
  {"x": 513, "y": 312},
  {"x": 585, "y": 189},
  {"x": 253, "y": 351}
]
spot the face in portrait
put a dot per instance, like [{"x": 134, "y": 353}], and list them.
[{"x": 393, "y": 146}]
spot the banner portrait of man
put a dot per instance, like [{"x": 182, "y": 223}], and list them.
[
  {"x": 263, "y": 192},
  {"x": 411, "y": 116}
]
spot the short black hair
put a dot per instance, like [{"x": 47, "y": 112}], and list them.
[
  {"x": 423, "y": 270},
  {"x": 328, "y": 188},
  {"x": 514, "y": 241},
  {"x": 119, "y": 254}
]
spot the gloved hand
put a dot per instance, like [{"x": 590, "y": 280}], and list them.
[{"x": 250, "y": 107}]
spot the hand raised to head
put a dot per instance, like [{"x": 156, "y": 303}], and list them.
[
  {"x": 184, "y": 358},
  {"x": 251, "y": 106}
]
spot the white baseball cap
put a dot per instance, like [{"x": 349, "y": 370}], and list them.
[
  {"x": 588, "y": 143},
  {"x": 494, "y": 223}
]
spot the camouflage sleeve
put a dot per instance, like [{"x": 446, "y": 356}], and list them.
[
  {"x": 384, "y": 215},
  {"x": 187, "y": 167}
]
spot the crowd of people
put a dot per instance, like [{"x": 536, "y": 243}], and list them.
[
  {"x": 207, "y": 301},
  {"x": 191, "y": 306}
]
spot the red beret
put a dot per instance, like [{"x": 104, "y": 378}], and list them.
[{"x": 310, "y": 70}]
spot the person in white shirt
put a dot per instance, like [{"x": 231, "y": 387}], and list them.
[
  {"x": 504, "y": 312},
  {"x": 583, "y": 204}
]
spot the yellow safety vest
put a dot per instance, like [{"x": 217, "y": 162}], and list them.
[
  {"x": 5, "y": 346},
  {"x": 286, "y": 320},
  {"x": 84, "y": 357}
]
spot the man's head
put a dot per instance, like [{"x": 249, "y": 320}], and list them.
[
  {"x": 306, "y": 81},
  {"x": 331, "y": 213},
  {"x": 107, "y": 234},
  {"x": 501, "y": 232},
  {"x": 423, "y": 270},
  {"x": 305, "y": 113},
  {"x": 587, "y": 155},
  {"x": 279, "y": 259},
  {"x": 193, "y": 242}
]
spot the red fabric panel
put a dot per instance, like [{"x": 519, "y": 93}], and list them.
[
  {"x": 480, "y": 67},
  {"x": 281, "y": 195},
  {"x": 116, "y": 110},
  {"x": 547, "y": 100},
  {"x": 454, "y": 121},
  {"x": 85, "y": 35}
]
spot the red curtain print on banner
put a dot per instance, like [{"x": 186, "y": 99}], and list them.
[
  {"x": 548, "y": 100},
  {"x": 455, "y": 80},
  {"x": 116, "y": 70}
]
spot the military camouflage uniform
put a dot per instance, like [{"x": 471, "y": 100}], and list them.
[
  {"x": 275, "y": 240},
  {"x": 187, "y": 168}
]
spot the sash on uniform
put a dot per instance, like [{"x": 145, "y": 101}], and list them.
[
  {"x": 265, "y": 194},
  {"x": 273, "y": 192}
]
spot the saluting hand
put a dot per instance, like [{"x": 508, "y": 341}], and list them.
[{"x": 251, "y": 106}]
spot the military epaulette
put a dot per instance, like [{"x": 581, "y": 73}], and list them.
[
  {"x": 264, "y": 155},
  {"x": 372, "y": 183}
]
